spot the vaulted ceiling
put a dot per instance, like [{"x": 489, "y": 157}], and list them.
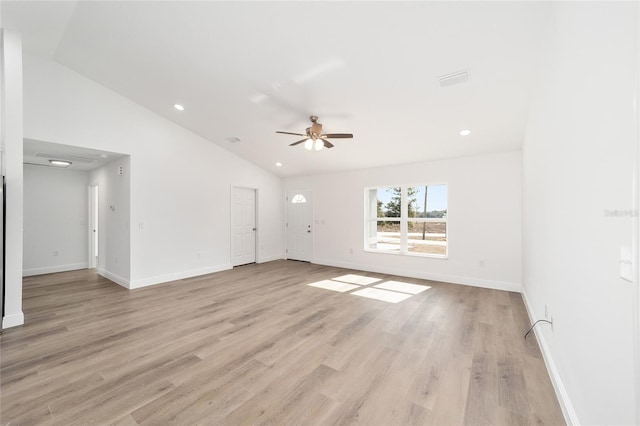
[{"x": 246, "y": 69}]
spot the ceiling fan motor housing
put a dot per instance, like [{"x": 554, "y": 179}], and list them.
[{"x": 316, "y": 129}]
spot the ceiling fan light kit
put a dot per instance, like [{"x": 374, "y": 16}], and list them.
[{"x": 314, "y": 139}]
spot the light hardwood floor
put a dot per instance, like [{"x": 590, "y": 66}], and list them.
[{"x": 257, "y": 345}]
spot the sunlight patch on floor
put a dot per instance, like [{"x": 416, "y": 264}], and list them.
[
  {"x": 384, "y": 295},
  {"x": 402, "y": 287},
  {"x": 387, "y": 291},
  {"x": 357, "y": 279}
]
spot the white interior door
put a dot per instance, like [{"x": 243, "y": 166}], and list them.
[
  {"x": 93, "y": 226},
  {"x": 244, "y": 226},
  {"x": 299, "y": 225}
]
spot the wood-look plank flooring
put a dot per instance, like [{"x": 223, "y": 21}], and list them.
[{"x": 257, "y": 345}]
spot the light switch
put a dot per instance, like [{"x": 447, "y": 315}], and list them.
[{"x": 626, "y": 263}]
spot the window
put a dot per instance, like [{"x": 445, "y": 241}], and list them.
[
  {"x": 407, "y": 220},
  {"x": 298, "y": 199}
]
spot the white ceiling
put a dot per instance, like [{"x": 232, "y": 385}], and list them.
[{"x": 247, "y": 69}]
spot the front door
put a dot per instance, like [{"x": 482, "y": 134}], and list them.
[{"x": 299, "y": 226}]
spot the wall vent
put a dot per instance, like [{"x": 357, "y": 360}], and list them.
[{"x": 454, "y": 78}]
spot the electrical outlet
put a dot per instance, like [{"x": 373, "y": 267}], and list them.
[{"x": 55, "y": 252}]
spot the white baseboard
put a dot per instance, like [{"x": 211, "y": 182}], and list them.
[
  {"x": 54, "y": 269},
  {"x": 113, "y": 277},
  {"x": 13, "y": 320},
  {"x": 266, "y": 259},
  {"x": 445, "y": 278},
  {"x": 568, "y": 411},
  {"x": 144, "y": 282}
]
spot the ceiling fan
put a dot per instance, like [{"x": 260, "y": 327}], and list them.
[{"x": 314, "y": 138}]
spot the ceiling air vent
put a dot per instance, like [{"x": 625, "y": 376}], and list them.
[
  {"x": 232, "y": 139},
  {"x": 454, "y": 78}
]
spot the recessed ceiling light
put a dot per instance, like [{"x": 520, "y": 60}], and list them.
[
  {"x": 60, "y": 163},
  {"x": 465, "y": 132},
  {"x": 279, "y": 164},
  {"x": 179, "y": 107}
]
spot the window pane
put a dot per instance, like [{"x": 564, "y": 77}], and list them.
[
  {"x": 298, "y": 199},
  {"x": 384, "y": 236},
  {"x": 427, "y": 237},
  {"x": 388, "y": 202},
  {"x": 434, "y": 204}
]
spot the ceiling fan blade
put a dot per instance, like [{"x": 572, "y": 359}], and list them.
[
  {"x": 289, "y": 133},
  {"x": 300, "y": 141},
  {"x": 338, "y": 135},
  {"x": 327, "y": 144}
]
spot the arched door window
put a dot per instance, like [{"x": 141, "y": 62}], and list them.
[{"x": 298, "y": 199}]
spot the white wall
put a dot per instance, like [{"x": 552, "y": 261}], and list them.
[
  {"x": 180, "y": 183},
  {"x": 12, "y": 144},
  {"x": 114, "y": 206},
  {"x": 484, "y": 219},
  {"x": 577, "y": 165},
  {"x": 55, "y": 220}
]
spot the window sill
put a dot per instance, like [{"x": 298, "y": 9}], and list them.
[{"x": 426, "y": 255}]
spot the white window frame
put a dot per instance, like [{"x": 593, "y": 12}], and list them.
[{"x": 404, "y": 220}]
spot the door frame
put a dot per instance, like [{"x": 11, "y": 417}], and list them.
[
  {"x": 232, "y": 222},
  {"x": 635, "y": 242},
  {"x": 292, "y": 192}
]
